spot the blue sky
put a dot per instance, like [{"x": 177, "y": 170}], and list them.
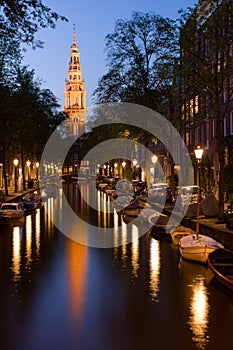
[{"x": 93, "y": 20}]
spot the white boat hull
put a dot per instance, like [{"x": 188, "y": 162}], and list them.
[
  {"x": 198, "y": 250},
  {"x": 11, "y": 211}
]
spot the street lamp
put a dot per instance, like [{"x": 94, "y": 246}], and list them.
[
  {"x": 134, "y": 168},
  {"x": 154, "y": 160},
  {"x": 123, "y": 169},
  {"x": 16, "y": 162},
  {"x": 37, "y": 170},
  {"x": 198, "y": 154},
  {"x": 115, "y": 167},
  {"x": 28, "y": 163}
]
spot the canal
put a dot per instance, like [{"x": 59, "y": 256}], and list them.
[{"x": 58, "y": 294}]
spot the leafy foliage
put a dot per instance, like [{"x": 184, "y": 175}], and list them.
[
  {"x": 140, "y": 56},
  {"x": 21, "y": 19}
]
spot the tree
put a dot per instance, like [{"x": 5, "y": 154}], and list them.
[
  {"x": 34, "y": 112},
  {"x": 206, "y": 74},
  {"x": 22, "y": 19},
  {"x": 140, "y": 57}
]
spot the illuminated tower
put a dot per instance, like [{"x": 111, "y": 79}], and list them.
[{"x": 75, "y": 94}]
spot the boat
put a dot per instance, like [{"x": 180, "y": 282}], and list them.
[
  {"x": 121, "y": 201},
  {"x": 198, "y": 247},
  {"x": 102, "y": 185},
  {"x": 133, "y": 208},
  {"x": 11, "y": 211},
  {"x": 180, "y": 232},
  {"x": 221, "y": 263},
  {"x": 30, "y": 201},
  {"x": 159, "y": 223},
  {"x": 109, "y": 190}
]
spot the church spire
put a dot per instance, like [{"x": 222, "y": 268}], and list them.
[
  {"x": 75, "y": 93},
  {"x": 74, "y": 35}
]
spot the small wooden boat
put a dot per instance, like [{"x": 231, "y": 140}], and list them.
[
  {"x": 30, "y": 201},
  {"x": 159, "y": 223},
  {"x": 109, "y": 190},
  {"x": 198, "y": 249},
  {"x": 11, "y": 211},
  {"x": 102, "y": 185},
  {"x": 133, "y": 208},
  {"x": 180, "y": 232},
  {"x": 221, "y": 263},
  {"x": 121, "y": 201}
]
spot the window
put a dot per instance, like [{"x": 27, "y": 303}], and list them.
[
  {"x": 225, "y": 127},
  {"x": 231, "y": 122},
  {"x": 231, "y": 87}
]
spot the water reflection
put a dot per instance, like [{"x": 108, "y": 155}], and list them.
[
  {"x": 199, "y": 312},
  {"x": 76, "y": 269},
  {"x": 197, "y": 275},
  {"x": 16, "y": 257},
  {"x": 154, "y": 268},
  {"x": 135, "y": 251},
  {"x": 28, "y": 238}
]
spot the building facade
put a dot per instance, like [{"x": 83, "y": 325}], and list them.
[{"x": 206, "y": 85}]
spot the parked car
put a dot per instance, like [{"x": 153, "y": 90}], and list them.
[
  {"x": 188, "y": 194},
  {"x": 161, "y": 194}
]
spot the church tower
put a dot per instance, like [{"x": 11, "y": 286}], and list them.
[{"x": 75, "y": 94}]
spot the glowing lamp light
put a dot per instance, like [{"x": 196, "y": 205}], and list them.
[
  {"x": 198, "y": 153},
  {"x": 154, "y": 159},
  {"x": 16, "y": 162}
]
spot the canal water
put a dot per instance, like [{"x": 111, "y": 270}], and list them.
[{"x": 58, "y": 294}]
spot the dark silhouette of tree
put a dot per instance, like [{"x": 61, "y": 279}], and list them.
[{"x": 140, "y": 56}]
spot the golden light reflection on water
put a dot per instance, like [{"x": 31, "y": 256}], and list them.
[
  {"x": 28, "y": 238},
  {"x": 154, "y": 268},
  {"x": 16, "y": 257},
  {"x": 123, "y": 233},
  {"x": 37, "y": 230},
  {"x": 77, "y": 265},
  {"x": 199, "y": 312},
  {"x": 135, "y": 251}
]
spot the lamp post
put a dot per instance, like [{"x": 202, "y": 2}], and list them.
[
  {"x": 154, "y": 159},
  {"x": 28, "y": 163},
  {"x": 115, "y": 168},
  {"x": 16, "y": 162},
  {"x": 123, "y": 169},
  {"x": 37, "y": 170},
  {"x": 198, "y": 154},
  {"x": 104, "y": 169},
  {"x": 134, "y": 168}
]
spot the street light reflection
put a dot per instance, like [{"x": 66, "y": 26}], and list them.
[
  {"x": 135, "y": 251},
  {"x": 154, "y": 268},
  {"x": 16, "y": 258},
  {"x": 199, "y": 312}
]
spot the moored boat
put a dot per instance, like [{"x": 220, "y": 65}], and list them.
[
  {"x": 133, "y": 208},
  {"x": 30, "y": 201},
  {"x": 159, "y": 223},
  {"x": 109, "y": 190},
  {"x": 180, "y": 232},
  {"x": 121, "y": 201},
  {"x": 221, "y": 263},
  {"x": 197, "y": 248},
  {"x": 11, "y": 211}
]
